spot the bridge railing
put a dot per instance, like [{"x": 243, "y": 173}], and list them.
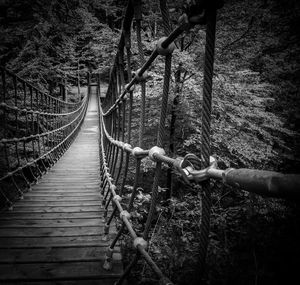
[
  {"x": 118, "y": 150},
  {"x": 36, "y": 129}
]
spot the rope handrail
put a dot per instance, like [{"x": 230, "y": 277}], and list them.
[
  {"x": 112, "y": 137},
  {"x": 116, "y": 145},
  {"x": 23, "y": 81},
  {"x": 79, "y": 118},
  {"x": 25, "y": 110},
  {"x": 36, "y": 130},
  {"x": 30, "y": 137}
]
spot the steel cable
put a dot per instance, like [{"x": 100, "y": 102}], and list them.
[
  {"x": 112, "y": 142},
  {"x": 205, "y": 147}
]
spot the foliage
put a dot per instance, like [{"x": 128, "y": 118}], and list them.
[
  {"x": 255, "y": 120},
  {"x": 254, "y": 124},
  {"x": 56, "y": 41}
]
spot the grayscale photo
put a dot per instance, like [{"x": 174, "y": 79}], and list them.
[{"x": 149, "y": 142}]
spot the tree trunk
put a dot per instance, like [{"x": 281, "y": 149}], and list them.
[
  {"x": 78, "y": 80},
  {"x": 172, "y": 128}
]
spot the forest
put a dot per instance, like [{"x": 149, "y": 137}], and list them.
[{"x": 255, "y": 121}]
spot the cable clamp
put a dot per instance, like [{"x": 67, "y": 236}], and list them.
[
  {"x": 113, "y": 188},
  {"x": 126, "y": 146},
  {"x": 139, "y": 241},
  {"x": 138, "y": 152},
  {"x": 191, "y": 168},
  {"x": 154, "y": 151},
  {"x": 129, "y": 89},
  {"x": 108, "y": 259},
  {"x": 141, "y": 77},
  {"x": 125, "y": 213},
  {"x": 164, "y": 51},
  {"x": 109, "y": 252},
  {"x": 117, "y": 198}
]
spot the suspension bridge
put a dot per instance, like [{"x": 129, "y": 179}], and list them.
[
  {"x": 64, "y": 166},
  {"x": 55, "y": 231}
]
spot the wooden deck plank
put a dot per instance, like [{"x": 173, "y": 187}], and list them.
[
  {"x": 71, "y": 184},
  {"x": 55, "y": 209},
  {"x": 24, "y": 203},
  {"x": 50, "y": 223},
  {"x": 78, "y": 187},
  {"x": 45, "y": 216},
  {"x": 49, "y": 255},
  {"x": 54, "y": 198},
  {"x": 51, "y": 231},
  {"x": 61, "y": 194},
  {"x": 55, "y": 234},
  {"x": 36, "y": 242},
  {"x": 56, "y": 271},
  {"x": 61, "y": 180},
  {"x": 103, "y": 281}
]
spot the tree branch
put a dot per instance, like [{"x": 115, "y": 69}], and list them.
[{"x": 240, "y": 37}]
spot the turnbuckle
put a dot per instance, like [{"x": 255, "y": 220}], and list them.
[{"x": 190, "y": 168}]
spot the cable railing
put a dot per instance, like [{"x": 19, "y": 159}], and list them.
[
  {"x": 36, "y": 129},
  {"x": 118, "y": 149}
]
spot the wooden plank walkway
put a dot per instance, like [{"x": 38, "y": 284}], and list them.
[{"x": 54, "y": 235}]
